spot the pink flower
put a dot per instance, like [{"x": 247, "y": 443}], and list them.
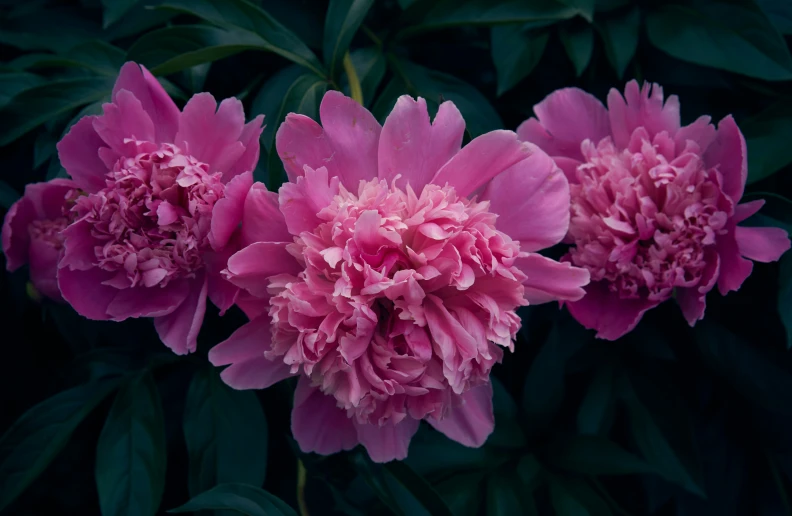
[
  {"x": 164, "y": 192},
  {"x": 390, "y": 270},
  {"x": 654, "y": 205},
  {"x": 32, "y": 233}
]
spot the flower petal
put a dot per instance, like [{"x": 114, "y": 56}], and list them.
[
  {"x": 531, "y": 199},
  {"x": 78, "y": 152},
  {"x": 255, "y": 373},
  {"x": 78, "y": 246},
  {"x": 608, "y": 314},
  {"x": 44, "y": 268},
  {"x": 692, "y": 301},
  {"x": 146, "y": 301},
  {"x": 227, "y": 212},
  {"x": 729, "y": 154},
  {"x": 221, "y": 291},
  {"x": 251, "y": 267},
  {"x": 16, "y": 238},
  {"x": 317, "y": 424},
  {"x": 179, "y": 329},
  {"x": 300, "y": 202},
  {"x": 249, "y": 341},
  {"x": 388, "y": 442},
  {"x": 734, "y": 269},
  {"x": 300, "y": 141},
  {"x": 548, "y": 280},
  {"x": 415, "y": 148},
  {"x": 262, "y": 220},
  {"x": 152, "y": 96},
  {"x": 74, "y": 284},
  {"x": 122, "y": 120},
  {"x": 761, "y": 244},
  {"x": 472, "y": 421},
  {"x": 641, "y": 107},
  {"x": 209, "y": 136},
  {"x": 249, "y": 159}
]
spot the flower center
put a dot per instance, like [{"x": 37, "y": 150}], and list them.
[
  {"x": 49, "y": 231},
  {"x": 153, "y": 217},
  {"x": 403, "y": 299},
  {"x": 643, "y": 218}
]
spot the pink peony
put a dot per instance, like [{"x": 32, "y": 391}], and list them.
[
  {"x": 32, "y": 232},
  {"x": 390, "y": 272},
  {"x": 654, "y": 205},
  {"x": 163, "y": 196}
]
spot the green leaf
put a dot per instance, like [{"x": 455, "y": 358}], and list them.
[
  {"x": 578, "y": 43},
  {"x": 596, "y": 403},
  {"x": 418, "y": 487},
  {"x": 114, "y": 10},
  {"x": 507, "y": 433},
  {"x": 370, "y": 66},
  {"x": 506, "y": 497},
  {"x": 290, "y": 91},
  {"x": 619, "y": 33},
  {"x": 12, "y": 83},
  {"x": 36, "y": 105},
  {"x": 435, "y": 456},
  {"x": 585, "y": 8},
  {"x": 565, "y": 503},
  {"x": 56, "y": 29},
  {"x": 8, "y": 195},
  {"x": 130, "y": 454},
  {"x": 595, "y": 455},
  {"x": 226, "y": 434},
  {"x": 576, "y": 493},
  {"x": 244, "y": 499},
  {"x": 37, "y": 437},
  {"x": 43, "y": 148},
  {"x": 766, "y": 135},
  {"x": 785, "y": 295},
  {"x": 342, "y": 22},
  {"x": 246, "y": 19},
  {"x": 779, "y": 12},
  {"x": 97, "y": 56},
  {"x": 426, "y": 15},
  {"x": 515, "y": 52},
  {"x": 140, "y": 18},
  {"x": 464, "y": 494},
  {"x": 437, "y": 87},
  {"x": 529, "y": 470},
  {"x": 732, "y": 35}
]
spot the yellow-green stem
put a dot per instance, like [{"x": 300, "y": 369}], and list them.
[
  {"x": 301, "y": 487},
  {"x": 354, "y": 82}
]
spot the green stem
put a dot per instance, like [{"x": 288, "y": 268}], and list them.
[
  {"x": 354, "y": 82},
  {"x": 301, "y": 477}
]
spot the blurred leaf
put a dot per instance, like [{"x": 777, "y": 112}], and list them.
[
  {"x": 370, "y": 66},
  {"x": 12, "y": 83},
  {"x": 779, "y": 12},
  {"x": 620, "y": 35},
  {"x": 287, "y": 92},
  {"x": 732, "y": 35},
  {"x": 596, "y": 403},
  {"x": 34, "y": 440},
  {"x": 515, "y": 52},
  {"x": 425, "y": 15},
  {"x": 504, "y": 496},
  {"x": 767, "y": 138},
  {"x": 342, "y": 22},
  {"x": 595, "y": 455},
  {"x": 301, "y": 17},
  {"x": 529, "y": 470},
  {"x": 43, "y": 148},
  {"x": 140, "y": 18},
  {"x": 196, "y": 77},
  {"x": 97, "y": 56},
  {"x": 463, "y": 494},
  {"x": 245, "y": 19},
  {"x": 578, "y": 43},
  {"x": 244, "y": 499},
  {"x": 418, "y": 487},
  {"x": 226, "y": 434},
  {"x": 374, "y": 475},
  {"x": 437, "y": 87},
  {"x": 507, "y": 433},
  {"x": 57, "y": 29},
  {"x": 564, "y": 502},
  {"x": 609, "y": 5},
  {"x": 435, "y": 456},
  {"x": 130, "y": 454},
  {"x": 585, "y": 8},
  {"x": 785, "y": 295},
  {"x": 114, "y": 10},
  {"x": 36, "y": 105}
]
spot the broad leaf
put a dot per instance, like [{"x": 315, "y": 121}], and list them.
[
  {"x": 464, "y": 494},
  {"x": 732, "y": 35},
  {"x": 418, "y": 488},
  {"x": 370, "y": 67},
  {"x": 596, "y": 403},
  {"x": 39, "y": 104},
  {"x": 779, "y": 12},
  {"x": 245, "y": 18},
  {"x": 34, "y": 440},
  {"x": 785, "y": 295},
  {"x": 97, "y": 56},
  {"x": 594, "y": 455},
  {"x": 578, "y": 42},
  {"x": 56, "y": 29},
  {"x": 506, "y": 497},
  {"x": 565, "y": 503},
  {"x": 342, "y": 22},
  {"x": 768, "y": 142},
  {"x": 130, "y": 454},
  {"x": 114, "y": 10},
  {"x": 12, "y": 83},
  {"x": 620, "y": 35},
  {"x": 435, "y": 456},
  {"x": 226, "y": 434},
  {"x": 516, "y": 50},
  {"x": 242, "y": 498},
  {"x": 585, "y": 8}
]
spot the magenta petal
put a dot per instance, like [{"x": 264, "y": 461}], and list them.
[
  {"x": 692, "y": 300},
  {"x": 227, "y": 212},
  {"x": 729, "y": 154},
  {"x": 531, "y": 199},
  {"x": 734, "y": 269},
  {"x": 74, "y": 284},
  {"x": 179, "y": 329},
  {"x": 701, "y": 131},
  {"x": 252, "y": 267},
  {"x": 472, "y": 421},
  {"x": 209, "y": 136},
  {"x": 79, "y": 154},
  {"x": 78, "y": 246},
  {"x": 607, "y": 313},
  {"x": 353, "y": 133},
  {"x": 745, "y": 210},
  {"x": 221, "y": 291},
  {"x": 641, "y": 107},
  {"x": 256, "y": 373},
  {"x": 482, "y": 159},
  {"x": 317, "y": 424},
  {"x": 49, "y": 197},
  {"x": 567, "y": 117},
  {"x": 148, "y": 301},
  {"x": 152, "y": 96},
  {"x": 122, "y": 120},
  {"x": 252, "y": 306},
  {"x": 414, "y": 147},
  {"x": 44, "y": 268},
  {"x": 250, "y": 340},
  {"x": 388, "y": 442},
  {"x": 300, "y": 202},
  {"x": 548, "y": 280},
  {"x": 249, "y": 159},
  {"x": 262, "y": 220},
  {"x": 16, "y": 238},
  {"x": 300, "y": 141},
  {"x": 761, "y": 244}
]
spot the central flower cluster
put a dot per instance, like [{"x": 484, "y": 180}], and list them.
[
  {"x": 403, "y": 300},
  {"x": 644, "y": 218},
  {"x": 49, "y": 231},
  {"x": 151, "y": 221}
]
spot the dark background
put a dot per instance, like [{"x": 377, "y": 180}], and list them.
[{"x": 666, "y": 421}]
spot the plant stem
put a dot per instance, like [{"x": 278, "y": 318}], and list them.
[
  {"x": 354, "y": 82},
  {"x": 301, "y": 476}
]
